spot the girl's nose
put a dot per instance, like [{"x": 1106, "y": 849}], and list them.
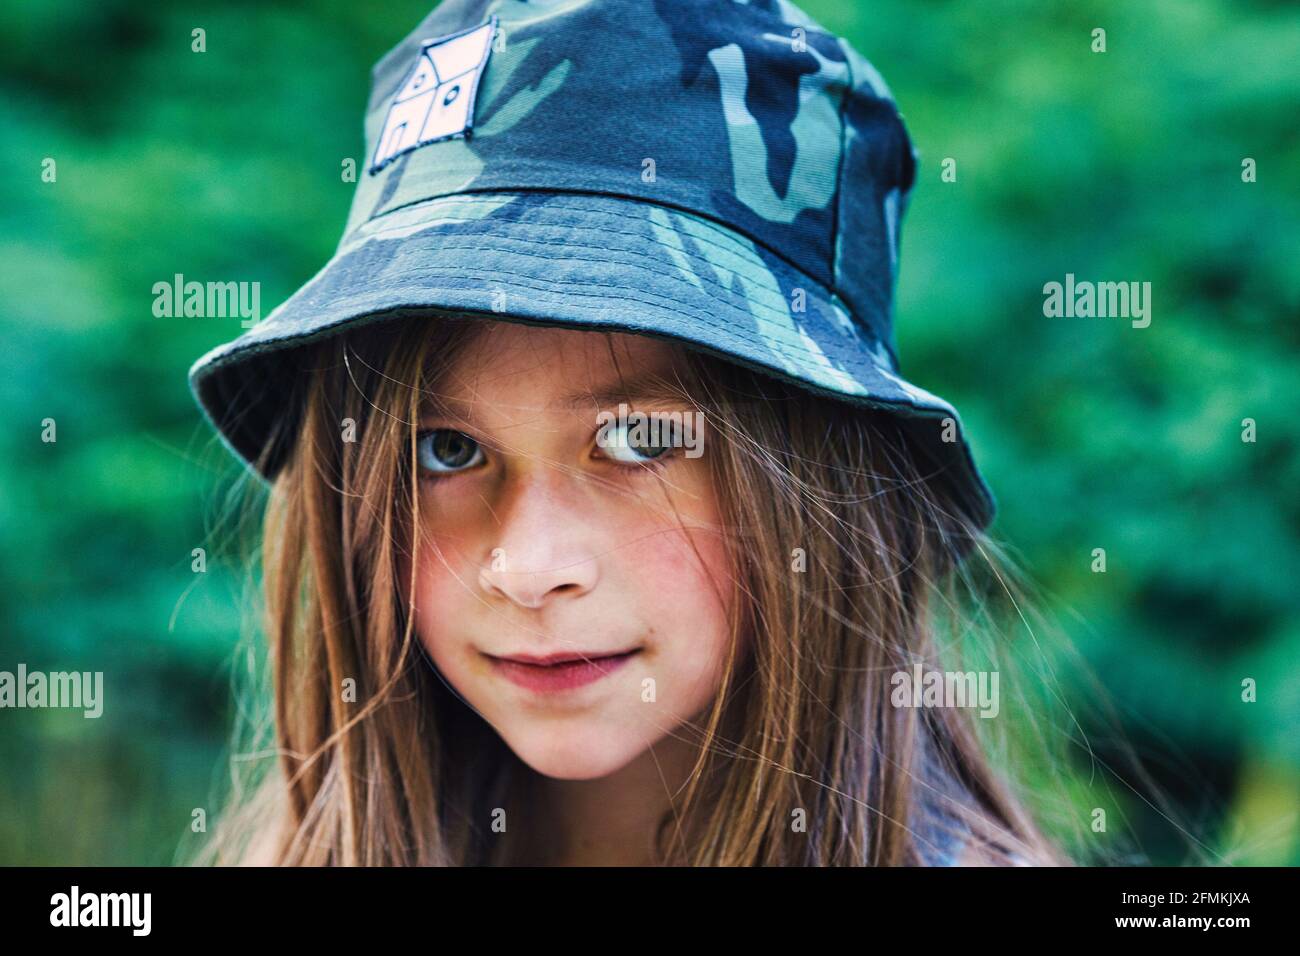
[
  {"x": 543, "y": 550},
  {"x": 533, "y": 583}
]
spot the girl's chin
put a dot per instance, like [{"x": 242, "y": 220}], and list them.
[{"x": 577, "y": 755}]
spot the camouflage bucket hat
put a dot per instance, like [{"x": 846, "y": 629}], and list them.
[{"x": 726, "y": 174}]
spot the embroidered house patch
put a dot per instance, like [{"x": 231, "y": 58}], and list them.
[{"x": 437, "y": 100}]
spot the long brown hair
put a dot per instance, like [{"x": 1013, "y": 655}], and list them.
[{"x": 846, "y": 544}]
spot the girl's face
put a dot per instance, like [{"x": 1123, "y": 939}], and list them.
[{"x": 538, "y": 543}]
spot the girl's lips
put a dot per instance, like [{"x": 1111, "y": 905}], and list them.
[{"x": 565, "y": 673}]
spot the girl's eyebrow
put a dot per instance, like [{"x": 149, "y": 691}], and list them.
[
  {"x": 640, "y": 387},
  {"x": 643, "y": 386}
]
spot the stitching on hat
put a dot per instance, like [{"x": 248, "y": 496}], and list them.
[
  {"x": 712, "y": 223},
  {"x": 570, "y": 244},
  {"x": 826, "y": 292},
  {"x": 829, "y": 292},
  {"x": 853, "y": 356}
]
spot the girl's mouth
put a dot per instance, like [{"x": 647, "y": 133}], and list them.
[{"x": 559, "y": 671}]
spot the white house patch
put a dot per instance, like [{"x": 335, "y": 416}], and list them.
[{"x": 437, "y": 100}]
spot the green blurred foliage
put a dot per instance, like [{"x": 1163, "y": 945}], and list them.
[{"x": 1123, "y": 165}]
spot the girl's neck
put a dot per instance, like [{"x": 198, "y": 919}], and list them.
[{"x": 609, "y": 821}]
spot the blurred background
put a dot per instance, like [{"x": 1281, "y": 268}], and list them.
[{"x": 1123, "y": 165}]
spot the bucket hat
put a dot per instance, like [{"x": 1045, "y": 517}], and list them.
[{"x": 725, "y": 174}]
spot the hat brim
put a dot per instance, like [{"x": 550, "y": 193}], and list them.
[{"x": 583, "y": 261}]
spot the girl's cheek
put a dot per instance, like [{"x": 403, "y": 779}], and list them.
[
  {"x": 681, "y": 576},
  {"x": 455, "y": 517},
  {"x": 453, "y": 526}
]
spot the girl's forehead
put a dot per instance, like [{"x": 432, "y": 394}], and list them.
[
  {"x": 561, "y": 368},
  {"x": 504, "y": 352}
]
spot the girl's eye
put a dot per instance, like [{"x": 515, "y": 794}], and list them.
[
  {"x": 444, "y": 451},
  {"x": 623, "y": 444}
]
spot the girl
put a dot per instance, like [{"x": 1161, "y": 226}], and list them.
[
  {"x": 505, "y": 627},
  {"x": 734, "y": 619}
]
